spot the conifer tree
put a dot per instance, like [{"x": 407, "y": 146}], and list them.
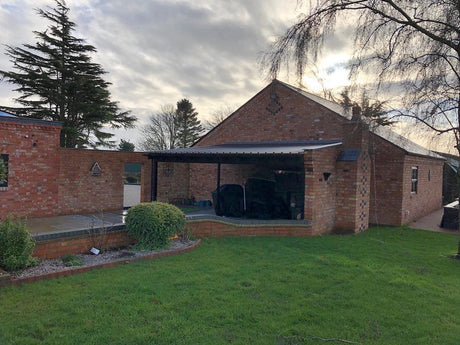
[
  {"x": 58, "y": 81},
  {"x": 187, "y": 124},
  {"x": 126, "y": 146}
]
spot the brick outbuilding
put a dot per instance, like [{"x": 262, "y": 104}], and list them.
[
  {"x": 369, "y": 176},
  {"x": 331, "y": 170}
]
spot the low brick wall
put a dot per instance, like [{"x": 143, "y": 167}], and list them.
[
  {"x": 55, "y": 248},
  {"x": 215, "y": 228},
  {"x": 82, "y": 243}
]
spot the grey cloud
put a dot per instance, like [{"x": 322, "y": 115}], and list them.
[{"x": 156, "y": 52}]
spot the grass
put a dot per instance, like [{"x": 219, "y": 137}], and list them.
[
  {"x": 187, "y": 209},
  {"x": 385, "y": 286}
]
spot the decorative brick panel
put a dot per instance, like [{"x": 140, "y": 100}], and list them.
[
  {"x": 298, "y": 119},
  {"x": 353, "y": 183}
]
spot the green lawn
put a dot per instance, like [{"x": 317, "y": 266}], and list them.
[{"x": 385, "y": 286}]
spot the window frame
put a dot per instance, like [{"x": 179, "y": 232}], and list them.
[
  {"x": 414, "y": 180},
  {"x": 5, "y": 158}
]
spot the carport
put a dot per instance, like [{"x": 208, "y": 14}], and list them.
[{"x": 277, "y": 156}]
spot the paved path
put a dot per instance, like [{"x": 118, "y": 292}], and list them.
[{"x": 431, "y": 222}]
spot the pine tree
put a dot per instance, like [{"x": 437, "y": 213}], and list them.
[
  {"x": 126, "y": 146},
  {"x": 187, "y": 124},
  {"x": 58, "y": 81}
]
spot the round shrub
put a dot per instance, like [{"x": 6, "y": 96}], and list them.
[
  {"x": 16, "y": 245},
  {"x": 152, "y": 224}
]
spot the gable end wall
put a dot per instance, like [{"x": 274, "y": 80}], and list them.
[{"x": 298, "y": 119}]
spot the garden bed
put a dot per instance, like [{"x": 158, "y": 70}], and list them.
[{"x": 54, "y": 268}]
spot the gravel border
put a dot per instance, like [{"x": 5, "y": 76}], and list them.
[{"x": 46, "y": 267}]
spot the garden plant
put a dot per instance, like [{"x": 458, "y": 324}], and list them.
[
  {"x": 16, "y": 245},
  {"x": 153, "y": 224}
]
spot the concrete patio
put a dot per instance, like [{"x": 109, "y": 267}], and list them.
[{"x": 78, "y": 224}]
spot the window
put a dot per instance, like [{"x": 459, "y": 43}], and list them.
[
  {"x": 414, "y": 180},
  {"x": 3, "y": 171}
]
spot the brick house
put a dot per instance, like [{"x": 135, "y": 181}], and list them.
[
  {"x": 347, "y": 175},
  {"x": 334, "y": 173}
]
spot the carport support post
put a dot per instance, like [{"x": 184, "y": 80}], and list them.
[
  {"x": 218, "y": 189},
  {"x": 154, "y": 179}
]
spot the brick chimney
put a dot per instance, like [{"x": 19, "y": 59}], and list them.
[{"x": 356, "y": 113}]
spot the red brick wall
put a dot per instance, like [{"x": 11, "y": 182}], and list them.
[
  {"x": 392, "y": 202},
  {"x": 387, "y": 163},
  {"x": 320, "y": 195},
  {"x": 173, "y": 182},
  {"x": 429, "y": 192},
  {"x": 299, "y": 119},
  {"x": 33, "y": 169},
  {"x": 45, "y": 180},
  {"x": 57, "y": 248},
  {"x": 210, "y": 228},
  {"x": 81, "y": 192}
]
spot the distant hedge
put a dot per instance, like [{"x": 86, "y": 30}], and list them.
[{"x": 152, "y": 224}]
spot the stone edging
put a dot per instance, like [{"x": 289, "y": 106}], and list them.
[{"x": 77, "y": 270}]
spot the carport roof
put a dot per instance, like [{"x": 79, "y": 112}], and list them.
[
  {"x": 242, "y": 152},
  {"x": 251, "y": 148}
]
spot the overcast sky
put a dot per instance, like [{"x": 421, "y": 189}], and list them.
[{"x": 157, "y": 52}]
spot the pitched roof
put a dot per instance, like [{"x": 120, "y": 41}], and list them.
[{"x": 382, "y": 131}]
